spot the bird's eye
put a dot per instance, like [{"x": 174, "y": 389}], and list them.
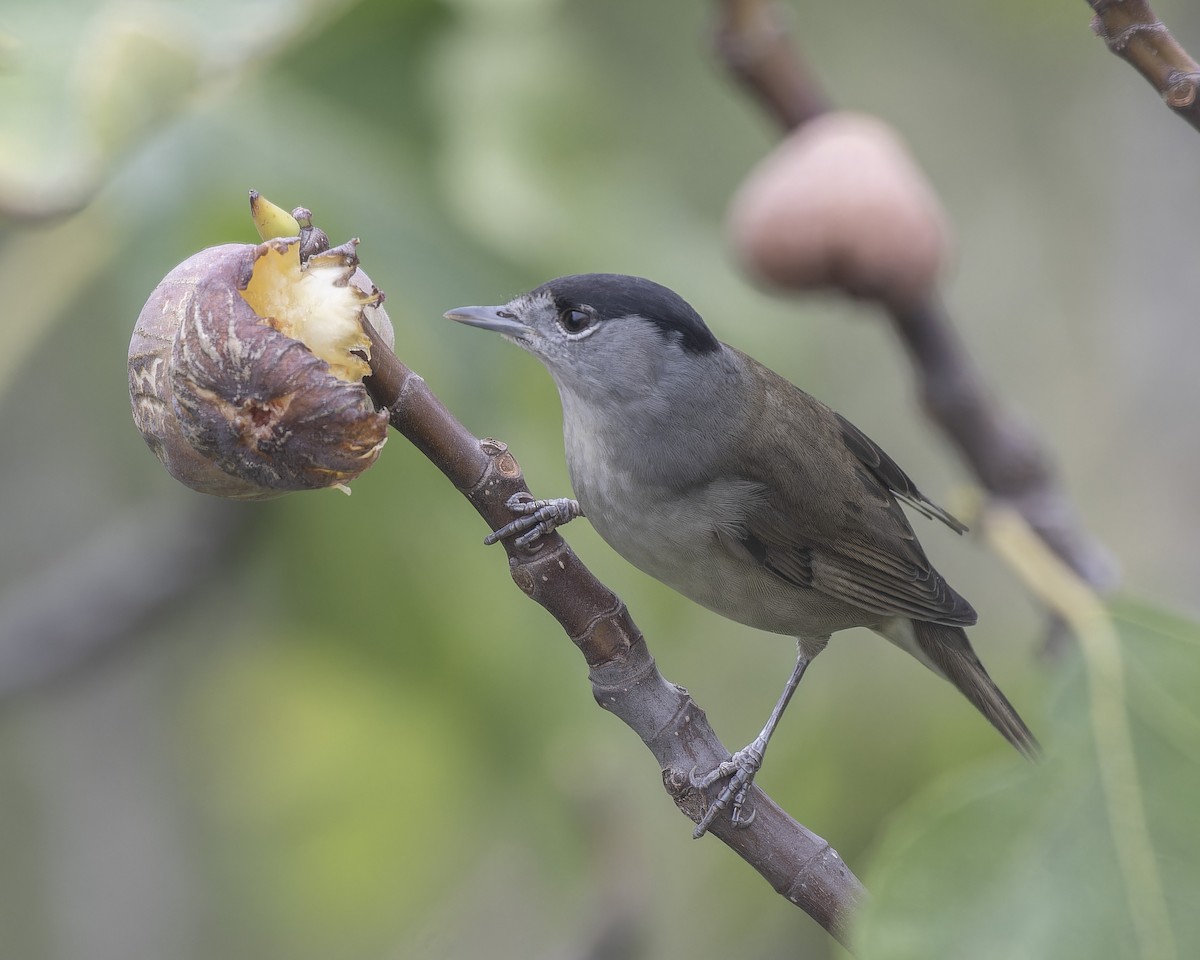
[{"x": 573, "y": 321}]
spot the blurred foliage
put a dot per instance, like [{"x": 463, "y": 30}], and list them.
[
  {"x": 85, "y": 82},
  {"x": 1003, "y": 861},
  {"x": 355, "y": 738}
]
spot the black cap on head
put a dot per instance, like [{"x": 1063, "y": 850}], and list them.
[{"x": 616, "y": 295}]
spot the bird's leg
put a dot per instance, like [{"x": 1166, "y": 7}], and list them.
[
  {"x": 536, "y": 518},
  {"x": 743, "y": 765}
]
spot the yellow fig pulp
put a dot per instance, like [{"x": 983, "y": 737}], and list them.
[{"x": 314, "y": 303}]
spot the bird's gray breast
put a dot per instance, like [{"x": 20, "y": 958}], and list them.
[{"x": 662, "y": 498}]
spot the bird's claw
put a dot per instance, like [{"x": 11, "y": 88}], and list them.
[
  {"x": 740, "y": 769},
  {"x": 535, "y": 518}
]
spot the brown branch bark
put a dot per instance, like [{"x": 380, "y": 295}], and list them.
[
  {"x": 625, "y": 680},
  {"x": 1005, "y": 456},
  {"x": 753, "y": 42},
  {"x": 1134, "y": 33}
]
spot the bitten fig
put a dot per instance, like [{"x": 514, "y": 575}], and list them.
[
  {"x": 246, "y": 368},
  {"x": 840, "y": 203}
]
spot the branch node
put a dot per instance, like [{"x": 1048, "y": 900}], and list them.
[
  {"x": 1182, "y": 91},
  {"x": 682, "y": 718},
  {"x": 499, "y": 469},
  {"x": 689, "y": 800},
  {"x": 607, "y": 639},
  {"x": 608, "y": 693},
  {"x": 410, "y": 382},
  {"x": 797, "y": 890},
  {"x": 505, "y": 463},
  {"x": 676, "y": 782},
  {"x": 522, "y": 578}
]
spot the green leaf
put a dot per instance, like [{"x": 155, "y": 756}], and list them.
[
  {"x": 81, "y": 83},
  {"x": 1062, "y": 859}
]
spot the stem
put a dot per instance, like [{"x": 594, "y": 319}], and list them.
[{"x": 1065, "y": 593}]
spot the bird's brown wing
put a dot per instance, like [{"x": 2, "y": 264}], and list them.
[
  {"x": 873, "y": 457},
  {"x": 828, "y": 517}
]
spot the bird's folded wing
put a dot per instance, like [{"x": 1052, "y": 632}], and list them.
[
  {"x": 824, "y": 514},
  {"x": 857, "y": 547},
  {"x": 881, "y": 584},
  {"x": 875, "y": 459},
  {"x": 863, "y": 575}
]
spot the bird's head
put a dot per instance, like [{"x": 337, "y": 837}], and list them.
[{"x": 601, "y": 334}]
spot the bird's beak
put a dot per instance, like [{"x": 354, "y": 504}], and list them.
[{"x": 490, "y": 318}]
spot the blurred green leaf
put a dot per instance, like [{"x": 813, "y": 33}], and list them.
[
  {"x": 82, "y": 82},
  {"x": 1011, "y": 860}
]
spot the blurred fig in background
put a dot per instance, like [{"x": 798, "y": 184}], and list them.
[
  {"x": 246, "y": 364},
  {"x": 840, "y": 203}
]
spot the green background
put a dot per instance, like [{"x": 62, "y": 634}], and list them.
[{"x": 354, "y": 737}]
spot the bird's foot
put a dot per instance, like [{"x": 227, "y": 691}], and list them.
[
  {"x": 740, "y": 769},
  {"x": 536, "y": 518}
]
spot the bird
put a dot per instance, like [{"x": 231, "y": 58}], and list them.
[{"x": 718, "y": 477}]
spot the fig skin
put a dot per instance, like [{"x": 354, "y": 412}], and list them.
[
  {"x": 840, "y": 203},
  {"x": 231, "y": 406}
]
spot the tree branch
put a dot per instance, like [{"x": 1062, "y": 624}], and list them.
[
  {"x": 753, "y": 42},
  {"x": 1134, "y": 33},
  {"x": 625, "y": 680},
  {"x": 1005, "y": 456}
]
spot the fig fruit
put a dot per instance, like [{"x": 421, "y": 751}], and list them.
[
  {"x": 841, "y": 203},
  {"x": 247, "y": 361}
]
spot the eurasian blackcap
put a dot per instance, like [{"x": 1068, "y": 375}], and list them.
[{"x": 723, "y": 480}]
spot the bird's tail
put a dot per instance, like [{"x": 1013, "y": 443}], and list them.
[{"x": 948, "y": 650}]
